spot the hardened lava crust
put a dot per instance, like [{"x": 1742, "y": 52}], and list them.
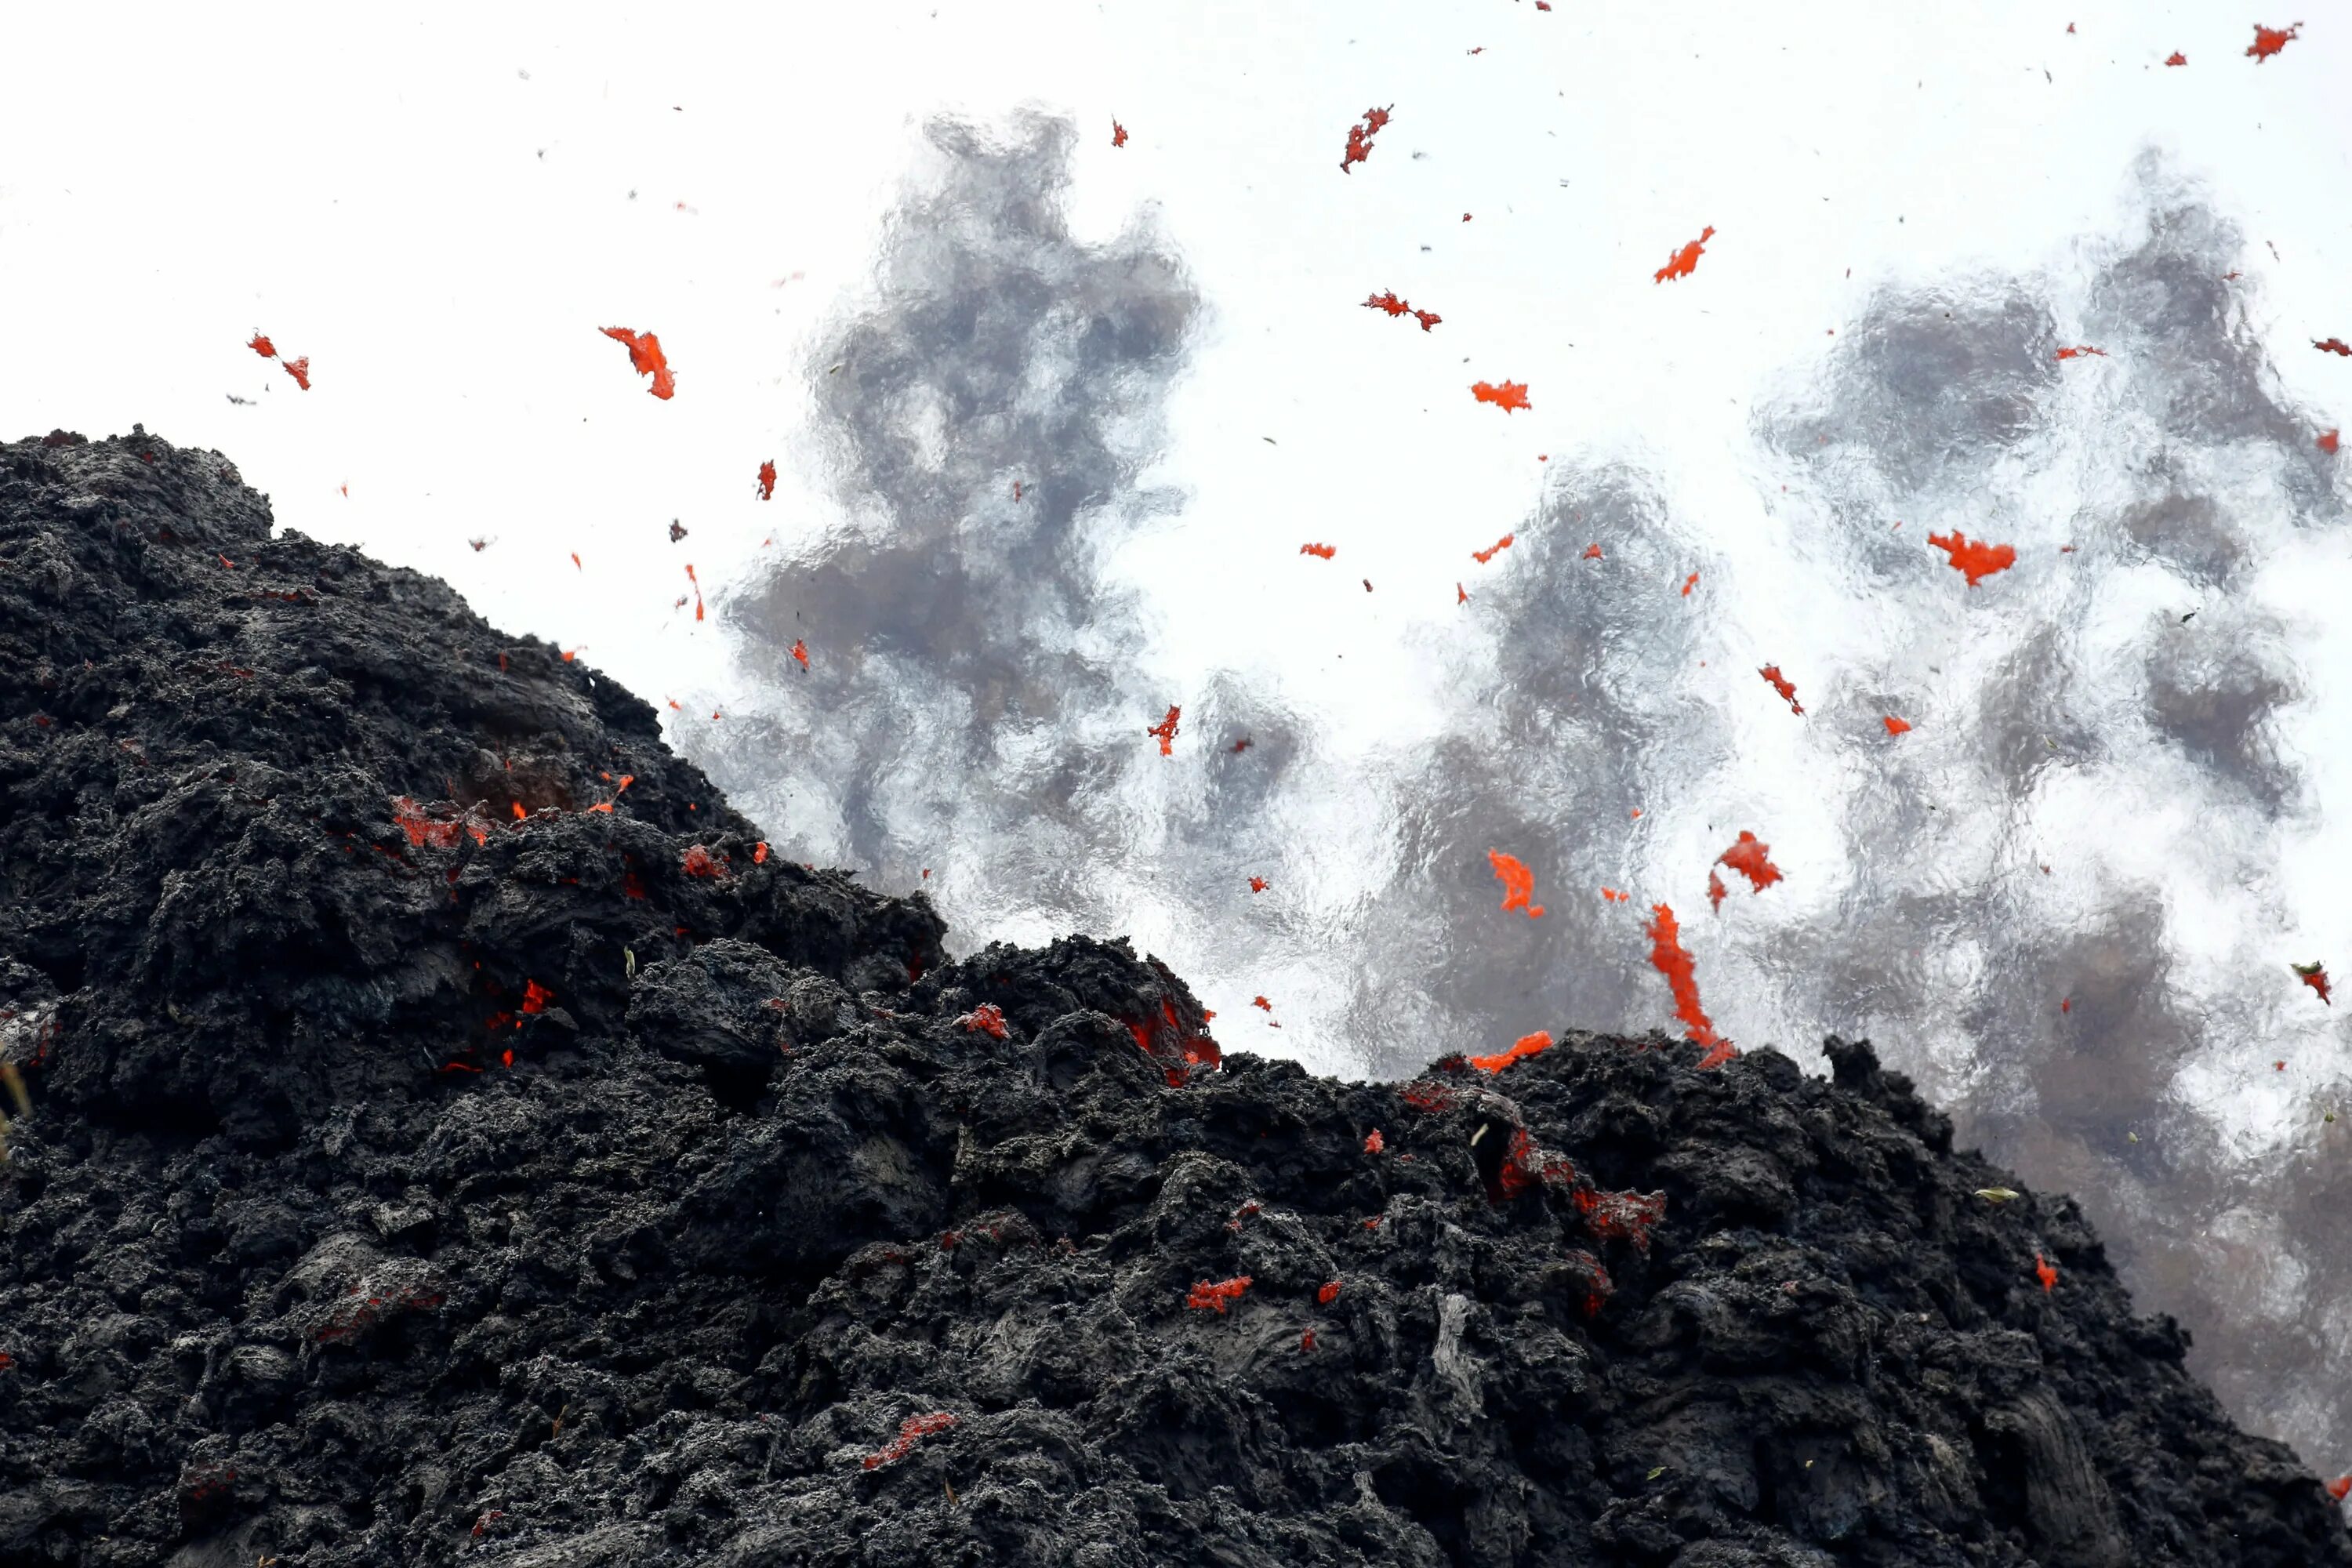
[{"x": 450, "y": 1136}]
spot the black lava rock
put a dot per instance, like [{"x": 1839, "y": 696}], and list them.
[{"x": 453, "y": 1137}]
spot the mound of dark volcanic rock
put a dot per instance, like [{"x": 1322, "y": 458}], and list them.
[{"x": 454, "y": 1138}]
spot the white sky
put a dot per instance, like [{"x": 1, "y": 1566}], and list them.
[{"x": 434, "y": 209}]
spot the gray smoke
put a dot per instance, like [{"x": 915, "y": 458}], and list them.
[
  {"x": 1575, "y": 713},
  {"x": 2090, "y": 1026},
  {"x": 969, "y": 703},
  {"x": 974, "y": 705}
]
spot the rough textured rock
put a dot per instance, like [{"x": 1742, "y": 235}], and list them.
[{"x": 410, "y": 1178}]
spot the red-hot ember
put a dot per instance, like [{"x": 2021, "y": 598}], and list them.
[
  {"x": 1666, "y": 952},
  {"x": 1395, "y": 307},
  {"x": 988, "y": 1018},
  {"x": 1527, "y": 1165},
  {"x": 647, "y": 358},
  {"x": 1750, "y": 856},
  {"x": 1359, "y": 137},
  {"x": 1524, "y": 1045},
  {"x": 2269, "y": 41},
  {"x": 1423, "y": 1095},
  {"x": 1621, "y": 1217},
  {"x": 1519, "y": 883},
  {"x": 1977, "y": 561},
  {"x": 1206, "y": 1296},
  {"x": 913, "y": 1430},
  {"x": 1684, "y": 262},
  {"x": 422, "y": 829}
]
